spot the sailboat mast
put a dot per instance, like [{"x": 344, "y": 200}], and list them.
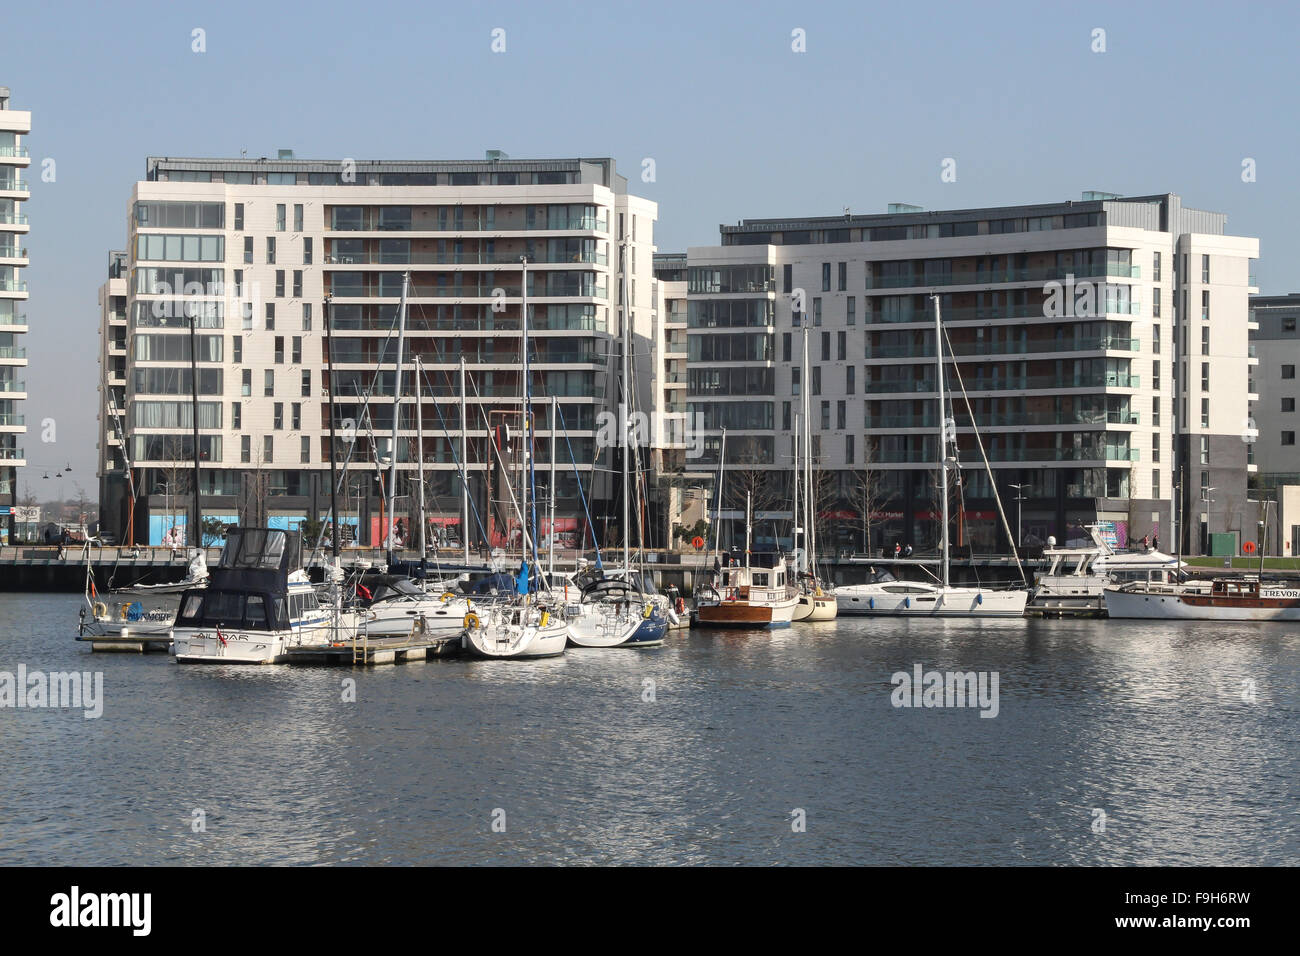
[
  {"x": 525, "y": 404},
  {"x": 419, "y": 444},
  {"x": 623, "y": 406},
  {"x": 194, "y": 413},
  {"x": 550, "y": 566},
  {"x": 794, "y": 504},
  {"x": 809, "y": 527},
  {"x": 943, "y": 435},
  {"x": 397, "y": 407},
  {"x": 717, "y": 511},
  {"x": 464, "y": 464},
  {"x": 748, "y": 526}
]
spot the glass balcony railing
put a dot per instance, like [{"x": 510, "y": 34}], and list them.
[
  {"x": 11, "y": 352},
  {"x": 12, "y": 386},
  {"x": 996, "y": 276},
  {"x": 13, "y": 319},
  {"x": 12, "y": 420},
  {"x": 462, "y": 259},
  {"x": 1010, "y": 420},
  {"x": 11, "y": 454},
  {"x": 9, "y": 152},
  {"x": 1011, "y": 383},
  {"x": 10, "y": 220},
  {"x": 14, "y": 185},
  {"x": 1031, "y": 347},
  {"x": 12, "y": 285}
]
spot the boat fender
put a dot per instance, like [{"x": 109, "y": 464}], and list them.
[
  {"x": 100, "y": 609},
  {"x": 871, "y": 603},
  {"x": 647, "y": 611},
  {"x": 546, "y": 618},
  {"x": 672, "y": 616},
  {"x": 447, "y": 596},
  {"x": 907, "y": 602},
  {"x": 681, "y": 605},
  {"x": 979, "y": 599},
  {"x": 125, "y": 608},
  {"x": 471, "y": 621}
]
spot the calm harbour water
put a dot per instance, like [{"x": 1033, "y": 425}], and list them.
[{"x": 1146, "y": 722}]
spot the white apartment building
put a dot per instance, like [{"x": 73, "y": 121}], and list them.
[
  {"x": 14, "y": 160},
  {"x": 1088, "y": 336},
  {"x": 261, "y": 249}
]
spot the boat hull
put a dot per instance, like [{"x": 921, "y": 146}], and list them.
[
  {"x": 816, "y": 607},
  {"x": 514, "y": 641},
  {"x": 1273, "y": 604},
  {"x": 956, "y": 602},
  {"x": 744, "y": 614}
]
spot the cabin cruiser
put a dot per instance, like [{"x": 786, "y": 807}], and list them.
[
  {"x": 1076, "y": 576},
  {"x": 746, "y": 596},
  {"x": 1238, "y": 598},
  {"x": 884, "y": 594},
  {"x": 396, "y": 606},
  {"x": 259, "y": 603}
]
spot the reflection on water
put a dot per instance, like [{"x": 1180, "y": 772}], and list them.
[{"x": 696, "y": 752}]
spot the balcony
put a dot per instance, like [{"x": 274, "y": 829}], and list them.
[
  {"x": 12, "y": 352},
  {"x": 12, "y": 421},
  {"x": 12, "y": 285},
  {"x": 13, "y": 152},
  {"x": 12, "y": 220},
  {"x": 998, "y": 276},
  {"x": 14, "y": 186},
  {"x": 1011, "y": 383},
  {"x": 463, "y": 259},
  {"x": 11, "y": 454},
  {"x": 1013, "y": 420},
  {"x": 1031, "y": 347},
  {"x": 8, "y": 385}
]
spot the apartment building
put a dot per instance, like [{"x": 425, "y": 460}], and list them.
[
  {"x": 1275, "y": 342},
  {"x": 14, "y": 160},
  {"x": 1085, "y": 339},
  {"x": 261, "y": 253},
  {"x": 114, "y": 488}
]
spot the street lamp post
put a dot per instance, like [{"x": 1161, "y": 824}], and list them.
[{"x": 1020, "y": 496}]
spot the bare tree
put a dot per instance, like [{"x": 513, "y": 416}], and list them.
[
  {"x": 870, "y": 491},
  {"x": 177, "y": 477},
  {"x": 255, "y": 488}
]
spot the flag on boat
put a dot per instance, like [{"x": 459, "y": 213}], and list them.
[
  {"x": 221, "y": 637},
  {"x": 521, "y": 580}
]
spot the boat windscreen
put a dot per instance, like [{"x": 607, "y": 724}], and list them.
[{"x": 254, "y": 548}]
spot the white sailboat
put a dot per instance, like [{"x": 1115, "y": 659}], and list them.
[
  {"x": 884, "y": 595},
  {"x": 816, "y": 603},
  {"x": 526, "y": 627}
]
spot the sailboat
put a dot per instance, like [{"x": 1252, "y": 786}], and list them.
[
  {"x": 883, "y": 595},
  {"x": 525, "y": 627},
  {"x": 615, "y": 609},
  {"x": 815, "y": 602}
]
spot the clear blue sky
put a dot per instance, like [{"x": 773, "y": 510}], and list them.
[{"x": 738, "y": 124}]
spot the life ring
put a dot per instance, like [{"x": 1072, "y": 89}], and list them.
[
  {"x": 100, "y": 610},
  {"x": 447, "y": 596},
  {"x": 649, "y": 609},
  {"x": 471, "y": 621},
  {"x": 697, "y": 543},
  {"x": 1248, "y": 547}
]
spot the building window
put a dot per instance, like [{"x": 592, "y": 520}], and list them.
[
  {"x": 1155, "y": 475},
  {"x": 843, "y": 276},
  {"x": 279, "y": 350},
  {"x": 306, "y": 250},
  {"x": 1205, "y": 268},
  {"x": 850, "y": 376},
  {"x": 277, "y": 416},
  {"x": 248, "y": 249},
  {"x": 1205, "y": 413},
  {"x": 785, "y": 416},
  {"x": 1205, "y": 454},
  {"x": 851, "y": 310},
  {"x": 279, "y": 217},
  {"x": 841, "y": 345},
  {"x": 826, "y": 346},
  {"x": 306, "y": 316},
  {"x": 270, "y": 316},
  {"x": 270, "y": 250},
  {"x": 245, "y": 448},
  {"x": 826, "y": 277},
  {"x": 1155, "y": 446},
  {"x": 841, "y": 415},
  {"x": 817, "y": 380},
  {"x": 1205, "y": 340},
  {"x": 246, "y": 382},
  {"x": 1205, "y": 304},
  {"x": 268, "y": 382},
  {"x": 295, "y": 418},
  {"x": 304, "y": 455},
  {"x": 1288, "y": 325},
  {"x": 1288, "y": 404},
  {"x": 785, "y": 346},
  {"x": 826, "y": 416},
  {"x": 1288, "y": 371},
  {"x": 1155, "y": 412},
  {"x": 296, "y": 355},
  {"x": 1155, "y": 376},
  {"x": 1155, "y": 340},
  {"x": 268, "y": 448},
  {"x": 306, "y": 383},
  {"x": 848, "y": 449},
  {"x": 297, "y": 217},
  {"x": 817, "y": 310},
  {"x": 1205, "y": 376},
  {"x": 787, "y": 278},
  {"x": 1155, "y": 266},
  {"x": 279, "y": 283},
  {"x": 1155, "y": 303},
  {"x": 794, "y": 381},
  {"x": 297, "y": 283},
  {"x": 1288, "y": 438},
  {"x": 237, "y": 349},
  {"x": 236, "y": 416}
]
